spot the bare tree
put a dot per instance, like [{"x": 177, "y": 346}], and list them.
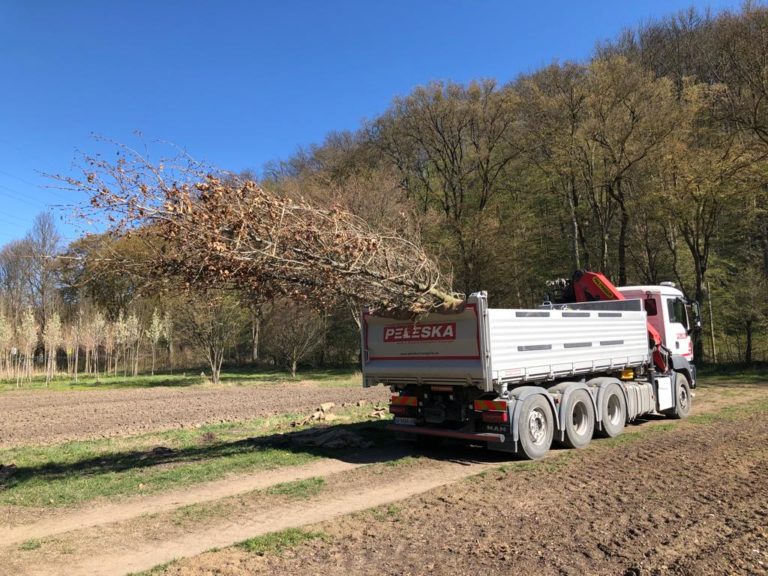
[
  {"x": 6, "y": 342},
  {"x": 27, "y": 340},
  {"x": 51, "y": 340},
  {"x": 43, "y": 243},
  {"x": 154, "y": 334},
  {"x": 294, "y": 331},
  {"x": 213, "y": 322},
  {"x": 218, "y": 230}
]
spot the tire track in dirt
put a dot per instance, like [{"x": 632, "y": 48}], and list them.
[
  {"x": 198, "y": 494},
  {"x": 430, "y": 474},
  {"x": 145, "y": 555}
]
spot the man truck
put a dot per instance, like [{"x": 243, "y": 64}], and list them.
[{"x": 585, "y": 363}]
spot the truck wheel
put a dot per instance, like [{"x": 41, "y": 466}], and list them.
[
  {"x": 535, "y": 427},
  {"x": 613, "y": 412},
  {"x": 683, "y": 399},
  {"x": 579, "y": 420}
]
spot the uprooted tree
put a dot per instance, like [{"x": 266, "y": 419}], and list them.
[{"x": 210, "y": 229}]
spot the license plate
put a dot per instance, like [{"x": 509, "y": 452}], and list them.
[{"x": 405, "y": 421}]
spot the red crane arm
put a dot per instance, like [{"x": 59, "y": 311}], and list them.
[{"x": 594, "y": 286}]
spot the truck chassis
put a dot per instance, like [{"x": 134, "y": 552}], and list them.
[{"x": 519, "y": 380}]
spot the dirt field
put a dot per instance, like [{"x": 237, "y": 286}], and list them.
[
  {"x": 38, "y": 417},
  {"x": 666, "y": 498}
]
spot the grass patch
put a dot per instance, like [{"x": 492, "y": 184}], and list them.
[
  {"x": 388, "y": 512},
  {"x": 196, "y": 513},
  {"x": 733, "y": 375},
  {"x": 277, "y": 542},
  {"x": 298, "y": 489},
  {"x": 33, "y": 544},
  {"x": 334, "y": 378},
  {"x": 154, "y": 571},
  {"x": 731, "y": 412},
  {"x": 75, "y": 472}
]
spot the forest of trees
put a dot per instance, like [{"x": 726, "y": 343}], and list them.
[{"x": 649, "y": 162}]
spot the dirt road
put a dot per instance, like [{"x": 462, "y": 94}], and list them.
[
  {"x": 35, "y": 417},
  {"x": 666, "y": 498},
  {"x": 688, "y": 500}
]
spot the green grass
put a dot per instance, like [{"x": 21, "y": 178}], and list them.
[
  {"x": 332, "y": 378},
  {"x": 28, "y": 545},
  {"x": 155, "y": 571},
  {"x": 386, "y": 512},
  {"x": 298, "y": 489},
  {"x": 733, "y": 375},
  {"x": 76, "y": 472},
  {"x": 277, "y": 542},
  {"x": 197, "y": 513}
]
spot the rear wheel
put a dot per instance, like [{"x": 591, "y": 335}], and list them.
[
  {"x": 579, "y": 420},
  {"x": 535, "y": 427},
  {"x": 683, "y": 400},
  {"x": 613, "y": 412}
]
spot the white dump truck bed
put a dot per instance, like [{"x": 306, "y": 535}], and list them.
[{"x": 486, "y": 348}]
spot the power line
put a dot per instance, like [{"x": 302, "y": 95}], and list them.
[
  {"x": 19, "y": 178},
  {"x": 13, "y": 196}
]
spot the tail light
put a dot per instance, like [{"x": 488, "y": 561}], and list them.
[
  {"x": 492, "y": 411},
  {"x": 404, "y": 401}
]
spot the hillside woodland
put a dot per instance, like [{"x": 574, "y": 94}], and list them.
[{"x": 649, "y": 162}]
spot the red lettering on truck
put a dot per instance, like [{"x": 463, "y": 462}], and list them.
[{"x": 443, "y": 332}]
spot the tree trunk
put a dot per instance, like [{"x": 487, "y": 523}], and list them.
[
  {"x": 748, "y": 349},
  {"x": 623, "y": 245},
  {"x": 255, "y": 332},
  {"x": 572, "y": 202}
]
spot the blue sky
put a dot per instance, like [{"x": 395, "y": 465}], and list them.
[{"x": 240, "y": 83}]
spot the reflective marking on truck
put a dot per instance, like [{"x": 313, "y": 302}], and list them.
[
  {"x": 442, "y": 332},
  {"x": 609, "y": 295},
  {"x": 404, "y": 400},
  {"x": 532, "y": 347},
  {"x": 609, "y": 314},
  {"x": 611, "y": 342},
  {"x": 577, "y": 344},
  {"x": 490, "y": 405}
]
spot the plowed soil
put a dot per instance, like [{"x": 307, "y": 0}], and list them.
[
  {"x": 35, "y": 417},
  {"x": 667, "y": 497},
  {"x": 689, "y": 500}
]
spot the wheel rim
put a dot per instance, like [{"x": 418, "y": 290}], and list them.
[
  {"x": 614, "y": 409},
  {"x": 537, "y": 426},
  {"x": 580, "y": 418},
  {"x": 683, "y": 398}
]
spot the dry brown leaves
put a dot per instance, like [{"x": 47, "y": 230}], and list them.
[{"x": 214, "y": 230}]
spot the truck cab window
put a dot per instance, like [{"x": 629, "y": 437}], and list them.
[{"x": 676, "y": 311}]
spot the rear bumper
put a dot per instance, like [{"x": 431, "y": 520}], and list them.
[{"x": 481, "y": 437}]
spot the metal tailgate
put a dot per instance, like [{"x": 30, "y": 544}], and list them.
[{"x": 438, "y": 348}]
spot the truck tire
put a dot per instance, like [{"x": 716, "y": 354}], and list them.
[
  {"x": 683, "y": 398},
  {"x": 579, "y": 421},
  {"x": 613, "y": 412},
  {"x": 535, "y": 427}
]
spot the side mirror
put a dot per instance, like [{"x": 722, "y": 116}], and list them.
[
  {"x": 695, "y": 316},
  {"x": 650, "y": 306}
]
